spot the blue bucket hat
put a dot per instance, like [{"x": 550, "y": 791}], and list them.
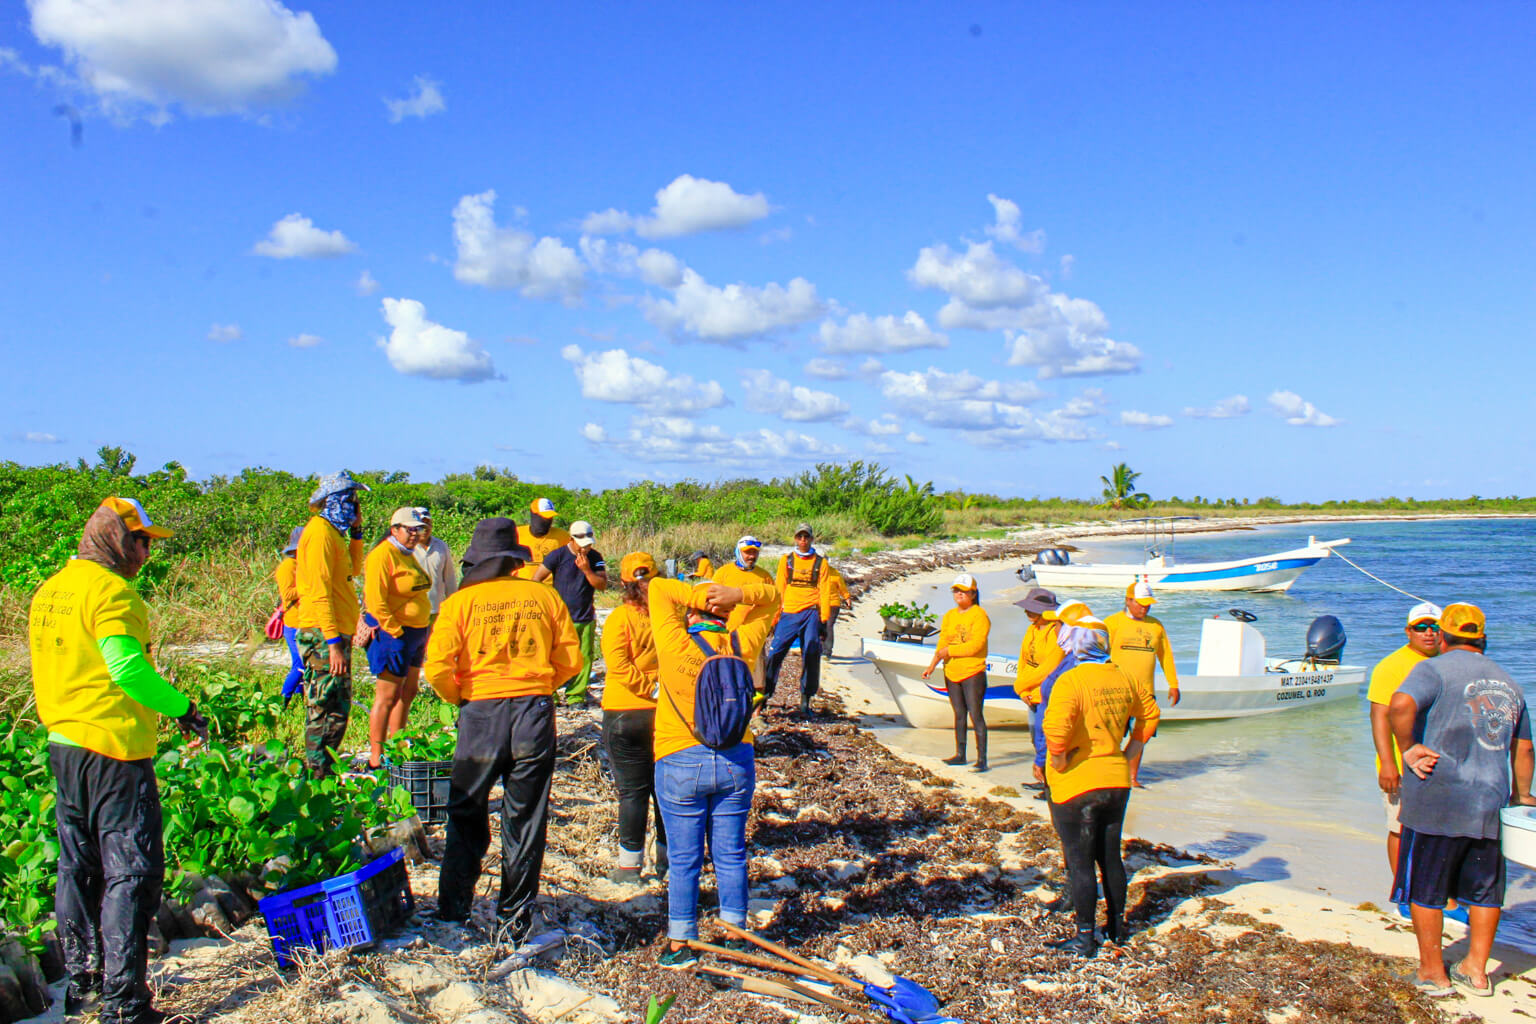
[
  {"x": 292, "y": 547},
  {"x": 335, "y": 483}
]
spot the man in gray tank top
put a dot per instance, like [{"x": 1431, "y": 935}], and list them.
[{"x": 1462, "y": 725}]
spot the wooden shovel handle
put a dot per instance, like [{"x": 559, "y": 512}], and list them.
[
  {"x": 760, "y": 962},
  {"x": 815, "y": 969},
  {"x": 784, "y": 990}
]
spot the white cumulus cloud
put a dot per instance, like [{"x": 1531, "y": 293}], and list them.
[
  {"x": 621, "y": 259},
  {"x": 1226, "y": 409},
  {"x": 1006, "y": 227},
  {"x": 978, "y": 277},
  {"x": 225, "y": 333},
  {"x": 734, "y": 312},
  {"x": 508, "y": 257},
  {"x": 987, "y": 412},
  {"x": 40, "y": 437},
  {"x": 424, "y": 100},
  {"x": 795, "y": 402},
  {"x": 1299, "y": 412},
  {"x": 617, "y": 376},
  {"x": 884, "y": 426},
  {"x": 678, "y": 439},
  {"x": 296, "y": 237},
  {"x": 209, "y": 56},
  {"x": 419, "y": 347},
  {"x": 1091, "y": 402},
  {"x": 305, "y": 340},
  {"x": 862, "y": 333},
  {"x": 913, "y": 437},
  {"x": 366, "y": 283},
  {"x": 827, "y": 369},
  {"x": 1144, "y": 420},
  {"x": 686, "y": 206}
]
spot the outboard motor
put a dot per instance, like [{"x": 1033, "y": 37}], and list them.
[
  {"x": 1325, "y": 640},
  {"x": 1053, "y": 556}
]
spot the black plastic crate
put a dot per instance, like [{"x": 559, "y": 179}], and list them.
[{"x": 428, "y": 783}]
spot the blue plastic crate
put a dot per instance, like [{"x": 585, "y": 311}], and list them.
[
  {"x": 296, "y": 920},
  {"x": 363, "y": 904}
]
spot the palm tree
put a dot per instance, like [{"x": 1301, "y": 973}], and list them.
[{"x": 1120, "y": 489}]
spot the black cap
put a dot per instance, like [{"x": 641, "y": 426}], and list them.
[{"x": 1037, "y": 600}]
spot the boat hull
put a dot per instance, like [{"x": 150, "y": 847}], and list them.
[
  {"x": 1272, "y": 573},
  {"x": 925, "y": 703}
]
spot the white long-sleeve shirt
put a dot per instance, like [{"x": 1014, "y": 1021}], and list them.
[{"x": 437, "y": 560}]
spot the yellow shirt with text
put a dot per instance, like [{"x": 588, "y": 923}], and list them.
[
  {"x": 326, "y": 563},
  {"x": 796, "y": 591},
  {"x": 396, "y": 589},
  {"x": 1138, "y": 646},
  {"x": 629, "y": 652},
  {"x": 1086, "y": 720},
  {"x": 502, "y": 638},
  {"x": 540, "y": 546},
  {"x": 965, "y": 634},
  {"x": 1039, "y": 654}
]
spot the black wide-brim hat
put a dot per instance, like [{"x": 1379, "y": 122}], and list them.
[{"x": 495, "y": 538}]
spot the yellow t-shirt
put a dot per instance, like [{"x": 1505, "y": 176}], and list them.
[
  {"x": 965, "y": 634},
  {"x": 286, "y": 575},
  {"x": 794, "y": 582},
  {"x": 1039, "y": 654},
  {"x": 753, "y": 623},
  {"x": 327, "y": 561},
  {"x": 680, "y": 658},
  {"x": 629, "y": 651},
  {"x": 835, "y": 594},
  {"x": 1386, "y": 677},
  {"x": 72, "y": 611},
  {"x": 1086, "y": 720},
  {"x": 396, "y": 589},
  {"x": 502, "y": 638},
  {"x": 540, "y": 546},
  {"x": 1138, "y": 646}
]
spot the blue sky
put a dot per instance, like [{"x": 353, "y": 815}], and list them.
[{"x": 1249, "y": 250}]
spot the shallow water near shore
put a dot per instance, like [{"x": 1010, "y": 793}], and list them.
[{"x": 1292, "y": 797}]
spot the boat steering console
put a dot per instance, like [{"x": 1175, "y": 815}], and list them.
[{"x": 1242, "y": 616}]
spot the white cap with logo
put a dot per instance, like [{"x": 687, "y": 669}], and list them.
[
  {"x": 581, "y": 533},
  {"x": 964, "y": 581},
  {"x": 1424, "y": 611}
]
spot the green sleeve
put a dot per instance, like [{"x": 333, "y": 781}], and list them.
[{"x": 133, "y": 672}]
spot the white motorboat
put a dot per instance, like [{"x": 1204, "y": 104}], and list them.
[
  {"x": 1275, "y": 571},
  {"x": 1233, "y": 679}
]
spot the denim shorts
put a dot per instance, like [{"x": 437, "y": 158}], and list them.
[{"x": 396, "y": 655}]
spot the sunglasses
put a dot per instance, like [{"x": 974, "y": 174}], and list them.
[
  {"x": 581, "y": 536},
  {"x": 1425, "y": 627}
]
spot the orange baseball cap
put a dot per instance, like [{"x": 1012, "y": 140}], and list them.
[
  {"x": 134, "y": 517},
  {"x": 635, "y": 565},
  {"x": 1464, "y": 620}
]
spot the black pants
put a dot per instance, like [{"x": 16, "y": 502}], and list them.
[
  {"x": 111, "y": 870},
  {"x": 510, "y": 740},
  {"x": 629, "y": 737},
  {"x": 1089, "y": 827},
  {"x": 965, "y": 699},
  {"x": 829, "y": 631}
]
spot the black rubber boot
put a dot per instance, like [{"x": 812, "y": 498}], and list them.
[{"x": 1082, "y": 944}]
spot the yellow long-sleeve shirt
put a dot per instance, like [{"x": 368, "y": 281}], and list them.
[
  {"x": 540, "y": 546},
  {"x": 1039, "y": 655},
  {"x": 326, "y": 563},
  {"x": 836, "y": 593},
  {"x": 502, "y": 638},
  {"x": 397, "y": 591},
  {"x": 965, "y": 634},
  {"x": 680, "y": 658},
  {"x": 1138, "y": 645},
  {"x": 1086, "y": 720},
  {"x": 286, "y": 575},
  {"x": 629, "y": 651},
  {"x": 754, "y": 623},
  {"x": 796, "y": 591}
]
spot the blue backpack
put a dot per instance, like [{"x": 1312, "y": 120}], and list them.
[{"x": 722, "y": 696}]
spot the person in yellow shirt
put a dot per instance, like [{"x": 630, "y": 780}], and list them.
[
  {"x": 498, "y": 649},
  {"x": 803, "y": 582},
  {"x": 1089, "y": 735},
  {"x": 962, "y": 647},
  {"x": 397, "y": 603},
  {"x": 1039, "y": 654},
  {"x": 703, "y": 791},
  {"x": 1423, "y": 633},
  {"x": 286, "y": 575},
  {"x": 833, "y": 602},
  {"x": 100, "y": 698},
  {"x": 330, "y": 554},
  {"x": 542, "y": 535},
  {"x": 753, "y": 622},
  {"x": 1138, "y": 643},
  {"x": 698, "y": 566},
  {"x": 629, "y": 716}
]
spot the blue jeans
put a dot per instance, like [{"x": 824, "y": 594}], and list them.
[
  {"x": 804, "y": 626},
  {"x": 294, "y": 682},
  {"x": 706, "y": 792}
]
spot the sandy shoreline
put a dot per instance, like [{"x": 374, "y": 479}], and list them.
[{"x": 1299, "y": 914}]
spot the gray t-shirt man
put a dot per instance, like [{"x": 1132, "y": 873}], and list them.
[{"x": 1470, "y": 713}]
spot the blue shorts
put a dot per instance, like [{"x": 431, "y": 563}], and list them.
[
  {"x": 1432, "y": 869},
  {"x": 396, "y": 655}
]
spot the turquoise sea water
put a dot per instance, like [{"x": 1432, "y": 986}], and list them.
[{"x": 1292, "y": 797}]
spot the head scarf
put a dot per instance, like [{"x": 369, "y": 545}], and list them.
[
  {"x": 1088, "y": 643},
  {"x": 340, "y": 510},
  {"x": 108, "y": 542},
  {"x": 538, "y": 525}
]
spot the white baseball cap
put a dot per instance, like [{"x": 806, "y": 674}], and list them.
[
  {"x": 1424, "y": 611},
  {"x": 1140, "y": 592},
  {"x": 965, "y": 581},
  {"x": 581, "y": 533}
]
